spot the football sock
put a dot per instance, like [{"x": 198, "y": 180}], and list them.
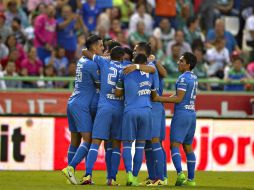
[
  {"x": 138, "y": 157},
  {"x": 149, "y": 160},
  {"x": 115, "y": 161},
  {"x": 176, "y": 157},
  {"x": 165, "y": 163},
  {"x": 159, "y": 160},
  {"x": 191, "y": 162},
  {"x": 127, "y": 157},
  {"x": 108, "y": 154},
  {"x": 91, "y": 158},
  {"x": 71, "y": 152},
  {"x": 80, "y": 154}
]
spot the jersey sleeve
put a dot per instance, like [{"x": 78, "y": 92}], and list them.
[
  {"x": 182, "y": 84},
  {"x": 101, "y": 61},
  {"x": 155, "y": 82},
  {"x": 94, "y": 70},
  {"x": 120, "y": 82}
]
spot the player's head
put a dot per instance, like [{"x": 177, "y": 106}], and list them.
[
  {"x": 94, "y": 44},
  {"x": 128, "y": 54},
  {"x": 187, "y": 62},
  {"x": 111, "y": 44},
  {"x": 142, "y": 48},
  {"x": 117, "y": 54},
  {"x": 140, "y": 59}
]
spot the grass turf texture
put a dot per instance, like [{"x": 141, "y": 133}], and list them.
[{"x": 44, "y": 180}]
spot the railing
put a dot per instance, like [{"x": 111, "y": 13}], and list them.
[{"x": 70, "y": 80}]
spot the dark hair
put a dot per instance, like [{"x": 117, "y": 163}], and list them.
[
  {"x": 111, "y": 44},
  {"x": 129, "y": 52},
  {"x": 146, "y": 47},
  {"x": 190, "y": 59},
  {"x": 117, "y": 53},
  {"x": 140, "y": 59},
  {"x": 16, "y": 19},
  {"x": 191, "y": 20},
  {"x": 91, "y": 40}
]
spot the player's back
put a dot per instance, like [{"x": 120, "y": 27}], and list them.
[
  {"x": 85, "y": 88},
  {"x": 188, "y": 83},
  {"x": 137, "y": 89}
]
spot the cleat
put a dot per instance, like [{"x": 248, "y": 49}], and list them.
[
  {"x": 189, "y": 182},
  {"x": 68, "y": 182},
  {"x": 86, "y": 180},
  {"x": 165, "y": 181},
  {"x": 157, "y": 182},
  {"x": 112, "y": 182},
  {"x": 69, "y": 173},
  {"x": 180, "y": 179},
  {"x": 135, "y": 181},
  {"x": 129, "y": 179},
  {"x": 146, "y": 182}
]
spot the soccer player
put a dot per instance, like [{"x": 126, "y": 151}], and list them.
[
  {"x": 183, "y": 123},
  {"x": 136, "y": 87},
  {"x": 78, "y": 108},
  {"x": 110, "y": 111}
]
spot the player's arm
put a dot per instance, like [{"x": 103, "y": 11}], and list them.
[
  {"x": 145, "y": 68},
  {"x": 161, "y": 70},
  {"x": 176, "y": 98},
  {"x": 119, "y": 87},
  {"x": 87, "y": 53}
]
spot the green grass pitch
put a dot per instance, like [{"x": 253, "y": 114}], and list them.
[{"x": 45, "y": 180}]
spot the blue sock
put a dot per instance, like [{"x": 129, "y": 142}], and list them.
[
  {"x": 115, "y": 161},
  {"x": 127, "y": 157},
  {"x": 159, "y": 160},
  {"x": 191, "y": 162},
  {"x": 149, "y": 160},
  {"x": 176, "y": 157},
  {"x": 108, "y": 154},
  {"x": 165, "y": 163},
  {"x": 138, "y": 157},
  {"x": 80, "y": 154},
  {"x": 71, "y": 153},
  {"x": 91, "y": 158}
]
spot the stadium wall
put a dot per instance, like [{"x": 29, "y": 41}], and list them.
[{"x": 40, "y": 143}]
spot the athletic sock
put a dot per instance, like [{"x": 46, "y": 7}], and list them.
[
  {"x": 138, "y": 157},
  {"x": 71, "y": 153},
  {"x": 159, "y": 160},
  {"x": 176, "y": 157},
  {"x": 91, "y": 158},
  {"x": 115, "y": 161},
  {"x": 149, "y": 160},
  {"x": 191, "y": 162},
  {"x": 80, "y": 154},
  {"x": 127, "y": 157}
]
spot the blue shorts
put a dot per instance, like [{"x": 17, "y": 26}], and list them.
[
  {"x": 157, "y": 121},
  {"x": 108, "y": 124},
  {"x": 79, "y": 118},
  {"x": 183, "y": 126},
  {"x": 137, "y": 124}
]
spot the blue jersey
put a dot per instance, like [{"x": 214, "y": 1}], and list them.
[
  {"x": 188, "y": 83},
  {"x": 137, "y": 87},
  {"x": 109, "y": 72},
  {"x": 86, "y": 77}
]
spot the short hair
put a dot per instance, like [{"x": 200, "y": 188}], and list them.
[
  {"x": 191, "y": 20},
  {"x": 140, "y": 59},
  {"x": 111, "y": 44},
  {"x": 146, "y": 47},
  {"x": 17, "y": 20},
  {"x": 91, "y": 40},
  {"x": 190, "y": 59},
  {"x": 117, "y": 53},
  {"x": 129, "y": 52}
]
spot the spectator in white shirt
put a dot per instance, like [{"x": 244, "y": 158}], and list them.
[{"x": 249, "y": 26}]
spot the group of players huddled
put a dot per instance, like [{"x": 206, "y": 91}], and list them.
[{"x": 118, "y": 98}]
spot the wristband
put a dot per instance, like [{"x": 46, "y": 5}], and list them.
[{"x": 137, "y": 66}]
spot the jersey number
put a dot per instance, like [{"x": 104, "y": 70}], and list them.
[
  {"x": 143, "y": 73},
  {"x": 112, "y": 76},
  {"x": 194, "y": 90}
]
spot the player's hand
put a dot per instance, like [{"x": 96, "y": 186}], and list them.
[
  {"x": 128, "y": 69},
  {"x": 151, "y": 58}
]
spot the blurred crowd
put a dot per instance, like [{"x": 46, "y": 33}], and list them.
[{"x": 45, "y": 37}]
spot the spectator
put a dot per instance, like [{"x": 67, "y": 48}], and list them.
[
  {"x": 5, "y": 30},
  {"x": 45, "y": 33},
  {"x": 179, "y": 39},
  {"x": 49, "y": 71},
  {"x": 184, "y": 9},
  {"x": 141, "y": 15},
  {"x": 191, "y": 32},
  {"x": 59, "y": 4},
  {"x": 236, "y": 73},
  {"x": 10, "y": 70},
  {"x": 33, "y": 4},
  {"x": 58, "y": 60},
  {"x": 66, "y": 26},
  {"x": 72, "y": 69},
  {"x": 164, "y": 32},
  {"x": 201, "y": 69},
  {"x": 12, "y": 57},
  {"x": 207, "y": 14},
  {"x": 127, "y": 8},
  {"x": 219, "y": 31},
  {"x": 249, "y": 27},
  {"x": 2, "y": 82},
  {"x": 17, "y": 31},
  {"x": 138, "y": 36},
  {"x": 224, "y": 7},
  {"x": 4, "y": 51},
  {"x": 32, "y": 66},
  {"x": 250, "y": 69},
  {"x": 80, "y": 46},
  {"x": 90, "y": 11},
  {"x": 115, "y": 29},
  {"x": 156, "y": 47},
  {"x": 14, "y": 11},
  {"x": 122, "y": 39}
]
